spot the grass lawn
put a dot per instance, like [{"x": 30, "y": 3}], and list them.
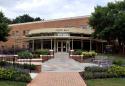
[
  {"x": 12, "y": 83},
  {"x": 106, "y": 82}
]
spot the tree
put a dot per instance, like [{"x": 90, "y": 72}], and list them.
[
  {"x": 37, "y": 19},
  {"x": 25, "y": 18},
  {"x": 4, "y": 29},
  {"x": 109, "y": 22}
]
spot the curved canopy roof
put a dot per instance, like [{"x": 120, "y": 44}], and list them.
[{"x": 61, "y": 30}]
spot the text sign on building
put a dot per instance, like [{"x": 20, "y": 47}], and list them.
[{"x": 62, "y": 30}]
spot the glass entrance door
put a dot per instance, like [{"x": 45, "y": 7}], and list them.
[
  {"x": 64, "y": 46},
  {"x": 61, "y": 46}
]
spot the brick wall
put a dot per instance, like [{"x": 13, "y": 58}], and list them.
[{"x": 22, "y": 29}]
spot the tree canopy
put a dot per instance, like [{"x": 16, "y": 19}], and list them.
[
  {"x": 109, "y": 21},
  {"x": 4, "y": 29},
  {"x": 25, "y": 18}
]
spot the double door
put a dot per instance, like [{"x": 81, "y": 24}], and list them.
[{"x": 61, "y": 46}]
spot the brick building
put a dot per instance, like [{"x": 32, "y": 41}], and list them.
[{"x": 60, "y": 35}]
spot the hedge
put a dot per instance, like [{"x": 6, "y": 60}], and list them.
[
  {"x": 13, "y": 75},
  {"x": 99, "y": 72}
]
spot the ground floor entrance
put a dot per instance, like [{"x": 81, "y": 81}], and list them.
[{"x": 64, "y": 45}]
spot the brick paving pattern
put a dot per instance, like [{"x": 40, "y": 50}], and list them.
[{"x": 57, "y": 79}]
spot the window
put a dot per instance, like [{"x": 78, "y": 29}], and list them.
[
  {"x": 17, "y": 33},
  {"x": 62, "y": 34},
  {"x": 13, "y": 33},
  {"x": 25, "y": 32}
]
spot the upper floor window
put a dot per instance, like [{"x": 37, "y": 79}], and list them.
[
  {"x": 25, "y": 32},
  {"x": 17, "y": 33},
  {"x": 13, "y": 33}
]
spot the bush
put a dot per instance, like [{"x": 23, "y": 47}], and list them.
[
  {"x": 118, "y": 62},
  {"x": 88, "y": 75},
  {"x": 42, "y": 52},
  {"x": 20, "y": 76},
  {"x": 2, "y": 63},
  {"x": 96, "y": 69},
  {"x": 29, "y": 66},
  {"x": 118, "y": 71},
  {"x": 87, "y": 54},
  {"x": 24, "y": 54},
  {"x": 98, "y": 72},
  {"x": 78, "y": 52},
  {"x": 11, "y": 74}
]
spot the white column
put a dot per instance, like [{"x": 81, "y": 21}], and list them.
[
  {"x": 41, "y": 44},
  {"x": 54, "y": 45},
  {"x": 90, "y": 44},
  {"x": 69, "y": 45},
  {"x": 81, "y": 44},
  {"x": 51, "y": 44},
  {"x": 33, "y": 45}
]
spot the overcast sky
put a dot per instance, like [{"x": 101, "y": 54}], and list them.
[{"x": 50, "y": 9}]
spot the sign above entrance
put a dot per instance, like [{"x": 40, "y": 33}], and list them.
[
  {"x": 56, "y": 30},
  {"x": 62, "y": 29}
]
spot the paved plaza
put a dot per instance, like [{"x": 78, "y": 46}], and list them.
[
  {"x": 62, "y": 63},
  {"x": 60, "y": 71}
]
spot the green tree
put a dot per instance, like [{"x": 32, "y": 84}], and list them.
[
  {"x": 37, "y": 19},
  {"x": 109, "y": 22},
  {"x": 4, "y": 29},
  {"x": 25, "y": 18}
]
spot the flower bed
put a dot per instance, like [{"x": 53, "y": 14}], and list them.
[
  {"x": 44, "y": 54},
  {"x": 22, "y": 66},
  {"x": 103, "y": 72},
  {"x": 13, "y": 75},
  {"x": 84, "y": 56},
  {"x": 46, "y": 57}
]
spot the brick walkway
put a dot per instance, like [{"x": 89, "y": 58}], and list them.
[{"x": 57, "y": 79}]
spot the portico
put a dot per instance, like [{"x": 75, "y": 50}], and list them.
[{"x": 60, "y": 39}]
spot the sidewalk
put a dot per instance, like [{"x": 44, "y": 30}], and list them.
[{"x": 57, "y": 79}]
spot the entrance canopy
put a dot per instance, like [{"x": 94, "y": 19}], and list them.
[{"x": 87, "y": 31}]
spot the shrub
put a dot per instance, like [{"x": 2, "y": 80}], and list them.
[
  {"x": 29, "y": 66},
  {"x": 118, "y": 71},
  {"x": 25, "y": 54},
  {"x": 88, "y": 75},
  {"x": 11, "y": 74},
  {"x": 42, "y": 52},
  {"x": 78, "y": 52},
  {"x": 87, "y": 54},
  {"x": 118, "y": 62},
  {"x": 98, "y": 72},
  {"x": 2, "y": 63},
  {"x": 96, "y": 69},
  {"x": 20, "y": 76}
]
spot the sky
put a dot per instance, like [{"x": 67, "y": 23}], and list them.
[{"x": 50, "y": 9}]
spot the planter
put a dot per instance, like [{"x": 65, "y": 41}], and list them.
[
  {"x": 82, "y": 59},
  {"x": 8, "y": 57},
  {"x": 46, "y": 57},
  {"x": 38, "y": 68},
  {"x": 76, "y": 58}
]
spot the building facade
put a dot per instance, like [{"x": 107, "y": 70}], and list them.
[{"x": 61, "y": 35}]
